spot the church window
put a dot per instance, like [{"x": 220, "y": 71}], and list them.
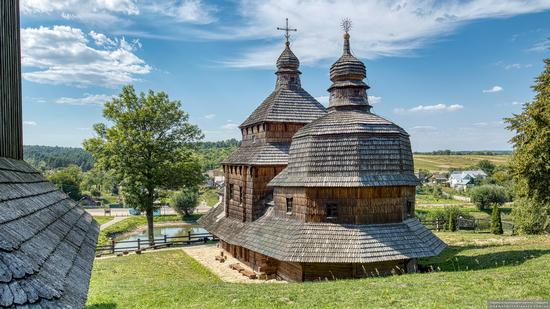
[
  {"x": 331, "y": 210},
  {"x": 231, "y": 191},
  {"x": 289, "y": 201},
  {"x": 409, "y": 209},
  {"x": 241, "y": 195}
]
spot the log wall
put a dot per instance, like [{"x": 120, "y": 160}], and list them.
[
  {"x": 11, "y": 122},
  {"x": 366, "y": 205}
]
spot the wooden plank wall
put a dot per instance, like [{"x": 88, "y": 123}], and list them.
[
  {"x": 277, "y": 132},
  {"x": 331, "y": 271},
  {"x": 235, "y": 175},
  {"x": 11, "y": 122},
  {"x": 355, "y": 205},
  {"x": 261, "y": 176}
]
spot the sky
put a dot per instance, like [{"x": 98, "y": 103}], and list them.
[{"x": 448, "y": 72}]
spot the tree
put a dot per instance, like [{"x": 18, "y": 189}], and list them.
[
  {"x": 530, "y": 163},
  {"x": 68, "y": 180},
  {"x": 149, "y": 147},
  {"x": 487, "y": 166},
  {"x": 496, "y": 223},
  {"x": 451, "y": 226},
  {"x": 185, "y": 201},
  {"x": 484, "y": 196}
]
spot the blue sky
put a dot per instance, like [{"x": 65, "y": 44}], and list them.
[{"x": 446, "y": 71}]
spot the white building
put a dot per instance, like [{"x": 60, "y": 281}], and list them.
[{"x": 460, "y": 180}]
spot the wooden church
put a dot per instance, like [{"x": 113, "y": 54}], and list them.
[{"x": 339, "y": 203}]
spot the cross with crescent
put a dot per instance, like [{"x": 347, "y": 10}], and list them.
[{"x": 287, "y": 29}]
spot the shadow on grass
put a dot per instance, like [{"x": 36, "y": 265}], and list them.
[
  {"x": 450, "y": 260},
  {"x": 102, "y": 306}
]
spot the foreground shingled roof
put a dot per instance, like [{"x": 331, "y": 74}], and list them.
[
  {"x": 290, "y": 240},
  {"x": 47, "y": 242}
]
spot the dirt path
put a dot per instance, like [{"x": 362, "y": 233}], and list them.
[
  {"x": 206, "y": 255},
  {"x": 115, "y": 220}
]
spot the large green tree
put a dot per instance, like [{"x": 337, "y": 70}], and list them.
[
  {"x": 149, "y": 146},
  {"x": 530, "y": 163},
  {"x": 68, "y": 180}
]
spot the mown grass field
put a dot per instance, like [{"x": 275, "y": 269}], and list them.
[
  {"x": 103, "y": 219},
  {"x": 474, "y": 269},
  {"x": 443, "y": 163}
]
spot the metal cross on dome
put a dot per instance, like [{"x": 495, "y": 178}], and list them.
[
  {"x": 286, "y": 29},
  {"x": 346, "y": 24}
]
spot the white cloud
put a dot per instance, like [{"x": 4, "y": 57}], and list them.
[
  {"x": 325, "y": 99},
  {"x": 100, "y": 12},
  {"x": 540, "y": 46},
  {"x": 423, "y": 128},
  {"x": 62, "y": 55},
  {"x": 210, "y": 116},
  {"x": 374, "y": 99},
  {"x": 493, "y": 89},
  {"x": 30, "y": 123},
  {"x": 430, "y": 108},
  {"x": 516, "y": 103},
  {"x": 517, "y": 66},
  {"x": 93, "y": 11},
  {"x": 484, "y": 124},
  {"x": 88, "y": 99},
  {"x": 380, "y": 28},
  {"x": 230, "y": 126},
  {"x": 189, "y": 11}
]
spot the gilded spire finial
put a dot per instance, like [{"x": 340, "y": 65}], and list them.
[
  {"x": 287, "y": 30},
  {"x": 346, "y": 26}
]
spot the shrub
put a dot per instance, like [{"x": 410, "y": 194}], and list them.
[
  {"x": 184, "y": 202},
  {"x": 449, "y": 215},
  {"x": 486, "y": 195},
  {"x": 496, "y": 222},
  {"x": 531, "y": 217}
]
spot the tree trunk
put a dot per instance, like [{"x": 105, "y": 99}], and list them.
[{"x": 150, "y": 231}]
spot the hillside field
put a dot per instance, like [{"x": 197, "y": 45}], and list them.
[
  {"x": 474, "y": 269},
  {"x": 444, "y": 162}
]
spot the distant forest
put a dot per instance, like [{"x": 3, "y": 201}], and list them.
[
  {"x": 466, "y": 152},
  {"x": 50, "y": 158}
]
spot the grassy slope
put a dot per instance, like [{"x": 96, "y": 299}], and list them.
[
  {"x": 209, "y": 196},
  {"x": 499, "y": 268},
  {"x": 443, "y": 163},
  {"x": 103, "y": 219}
]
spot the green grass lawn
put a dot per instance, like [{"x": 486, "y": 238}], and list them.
[
  {"x": 103, "y": 219},
  {"x": 443, "y": 163},
  {"x": 209, "y": 196},
  {"x": 474, "y": 269},
  {"x": 431, "y": 199}
]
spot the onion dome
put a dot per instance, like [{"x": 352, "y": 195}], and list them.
[
  {"x": 347, "y": 75},
  {"x": 287, "y": 61},
  {"x": 350, "y": 146}
]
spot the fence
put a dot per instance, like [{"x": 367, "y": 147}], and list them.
[
  {"x": 476, "y": 225},
  {"x": 159, "y": 242}
]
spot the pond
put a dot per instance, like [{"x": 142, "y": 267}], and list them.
[{"x": 169, "y": 231}]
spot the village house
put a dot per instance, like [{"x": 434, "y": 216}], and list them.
[
  {"x": 438, "y": 179},
  {"x": 47, "y": 241},
  {"x": 462, "y": 180},
  {"x": 339, "y": 203}
]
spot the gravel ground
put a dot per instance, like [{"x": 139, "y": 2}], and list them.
[{"x": 206, "y": 255}]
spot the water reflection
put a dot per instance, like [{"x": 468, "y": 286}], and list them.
[{"x": 159, "y": 232}]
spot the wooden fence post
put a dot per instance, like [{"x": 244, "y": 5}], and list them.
[
  {"x": 165, "y": 239},
  {"x": 139, "y": 243},
  {"x": 437, "y": 224},
  {"x": 189, "y": 237},
  {"x": 113, "y": 246}
]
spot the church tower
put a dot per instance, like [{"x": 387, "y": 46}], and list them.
[{"x": 266, "y": 136}]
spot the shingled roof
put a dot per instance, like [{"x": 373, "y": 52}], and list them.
[
  {"x": 289, "y": 102},
  {"x": 349, "y": 148},
  {"x": 260, "y": 154},
  {"x": 47, "y": 242},
  {"x": 291, "y": 240}
]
